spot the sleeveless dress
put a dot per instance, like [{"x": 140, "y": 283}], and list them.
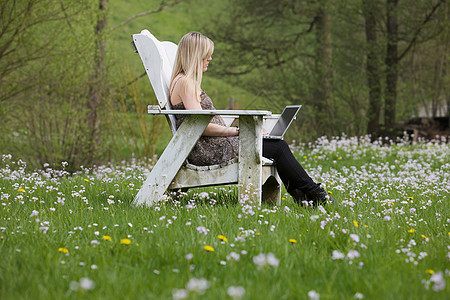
[{"x": 210, "y": 150}]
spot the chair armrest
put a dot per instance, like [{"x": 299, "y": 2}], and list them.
[
  {"x": 269, "y": 122},
  {"x": 155, "y": 110}
]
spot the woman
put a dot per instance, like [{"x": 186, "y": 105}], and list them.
[{"x": 219, "y": 143}]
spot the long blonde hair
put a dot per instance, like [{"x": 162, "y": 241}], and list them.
[{"x": 193, "y": 49}]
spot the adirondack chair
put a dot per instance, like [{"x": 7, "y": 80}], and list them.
[{"x": 255, "y": 175}]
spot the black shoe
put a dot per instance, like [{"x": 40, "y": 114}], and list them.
[
  {"x": 319, "y": 196},
  {"x": 298, "y": 195}
]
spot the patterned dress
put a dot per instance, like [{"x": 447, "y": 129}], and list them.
[{"x": 210, "y": 150}]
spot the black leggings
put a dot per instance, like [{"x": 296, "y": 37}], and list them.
[{"x": 290, "y": 170}]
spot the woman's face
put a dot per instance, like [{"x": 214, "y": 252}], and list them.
[{"x": 206, "y": 63}]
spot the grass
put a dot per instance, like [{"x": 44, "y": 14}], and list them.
[{"x": 390, "y": 229}]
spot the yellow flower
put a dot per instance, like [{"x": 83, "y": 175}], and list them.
[
  {"x": 429, "y": 271},
  {"x": 283, "y": 198},
  {"x": 258, "y": 233},
  {"x": 292, "y": 241},
  {"x": 339, "y": 158},
  {"x": 411, "y": 198},
  {"x": 125, "y": 241},
  {"x": 367, "y": 226},
  {"x": 106, "y": 238},
  {"x": 208, "y": 248},
  {"x": 355, "y": 223},
  {"x": 63, "y": 250},
  {"x": 411, "y": 230},
  {"x": 87, "y": 180},
  {"x": 21, "y": 190},
  {"x": 315, "y": 156},
  {"x": 423, "y": 236},
  {"x": 222, "y": 238},
  {"x": 330, "y": 192},
  {"x": 304, "y": 157}
]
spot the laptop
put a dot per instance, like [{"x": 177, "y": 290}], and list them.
[{"x": 284, "y": 121}]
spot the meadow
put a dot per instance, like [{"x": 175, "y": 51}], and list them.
[{"x": 77, "y": 236}]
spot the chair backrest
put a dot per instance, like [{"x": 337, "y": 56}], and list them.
[{"x": 158, "y": 59}]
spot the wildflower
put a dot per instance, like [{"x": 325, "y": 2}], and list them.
[
  {"x": 262, "y": 259},
  {"x": 313, "y": 295},
  {"x": 314, "y": 218},
  {"x": 367, "y": 226},
  {"x": 386, "y": 218},
  {"x": 179, "y": 294},
  {"x": 222, "y": 238},
  {"x": 354, "y": 237},
  {"x": 199, "y": 285},
  {"x": 353, "y": 254},
  {"x": 87, "y": 180},
  {"x": 355, "y": 223},
  {"x": 292, "y": 241},
  {"x": 87, "y": 284},
  {"x": 202, "y": 229},
  {"x": 423, "y": 236},
  {"x": 125, "y": 241},
  {"x": 21, "y": 190},
  {"x": 233, "y": 255},
  {"x": 63, "y": 250},
  {"x": 412, "y": 198},
  {"x": 258, "y": 233},
  {"x": 95, "y": 242},
  {"x": 439, "y": 281},
  {"x": 337, "y": 255},
  {"x": 236, "y": 292},
  {"x": 34, "y": 213},
  {"x": 106, "y": 238},
  {"x": 189, "y": 256},
  {"x": 430, "y": 271},
  {"x": 411, "y": 231},
  {"x": 358, "y": 296},
  {"x": 208, "y": 248}
]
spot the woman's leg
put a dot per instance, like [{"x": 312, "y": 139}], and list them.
[{"x": 298, "y": 183}]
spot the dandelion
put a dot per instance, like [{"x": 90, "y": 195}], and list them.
[
  {"x": 63, "y": 250},
  {"x": 292, "y": 241},
  {"x": 411, "y": 231},
  {"x": 222, "y": 238},
  {"x": 87, "y": 180},
  {"x": 21, "y": 190},
  {"x": 411, "y": 198},
  {"x": 424, "y": 237},
  {"x": 258, "y": 233},
  {"x": 208, "y": 248},
  {"x": 430, "y": 271},
  {"x": 106, "y": 238},
  {"x": 355, "y": 223},
  {"x": 125, "y": 241}
]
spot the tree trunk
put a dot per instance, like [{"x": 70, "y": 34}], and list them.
[
  {"x": 323, "y": 65},
  {"x": 96, "y": 84},
  {"x": 391, "y": 63},
  {"x": 372, "y": 66}
]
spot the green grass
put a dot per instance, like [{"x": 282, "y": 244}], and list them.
[{"x": 396, "y": 195}]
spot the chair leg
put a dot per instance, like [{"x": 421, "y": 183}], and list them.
[{"x": 271, "y": 191}]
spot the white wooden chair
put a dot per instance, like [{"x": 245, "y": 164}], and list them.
[{"x": 255, "y": 175}]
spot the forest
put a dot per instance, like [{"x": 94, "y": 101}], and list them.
[{"x": 72, "y": 90}]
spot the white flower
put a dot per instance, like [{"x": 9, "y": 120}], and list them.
[
  {"x": 354, "y": 237},
  {"x": 236, "y": 292},
  {"x": 84, "y": 283},
  {"x": 34, "y": 213},
  {"x": 179, "y": 294},
  {"x": 199, "y": 285},
  {"x": 313, "y": 295},
  {"x": 314, "y": 218},
  {"x": 337, "y": 255},
  {"x": 95, "y": 242},
  {"x": 387, "y": 218},
  {"x": 438, "y": 280},
  {"x": 262, "y": 259},
  {"x": 358, "y": 296},
  {"x": 272, "y": 260},
  {"x": 189, "y": 256},
  {"x": 233, "y": 255},
  {"x": 353, "y": 254},
  {"x": 202, "y": 229}
]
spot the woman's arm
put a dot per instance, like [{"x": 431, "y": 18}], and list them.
[{"x": 187, "y": 96}]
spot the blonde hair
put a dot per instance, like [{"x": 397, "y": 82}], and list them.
[{"x": 193, "y": 49}]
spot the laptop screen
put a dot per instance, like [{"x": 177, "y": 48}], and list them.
[{"x": 286, "y": 118}]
